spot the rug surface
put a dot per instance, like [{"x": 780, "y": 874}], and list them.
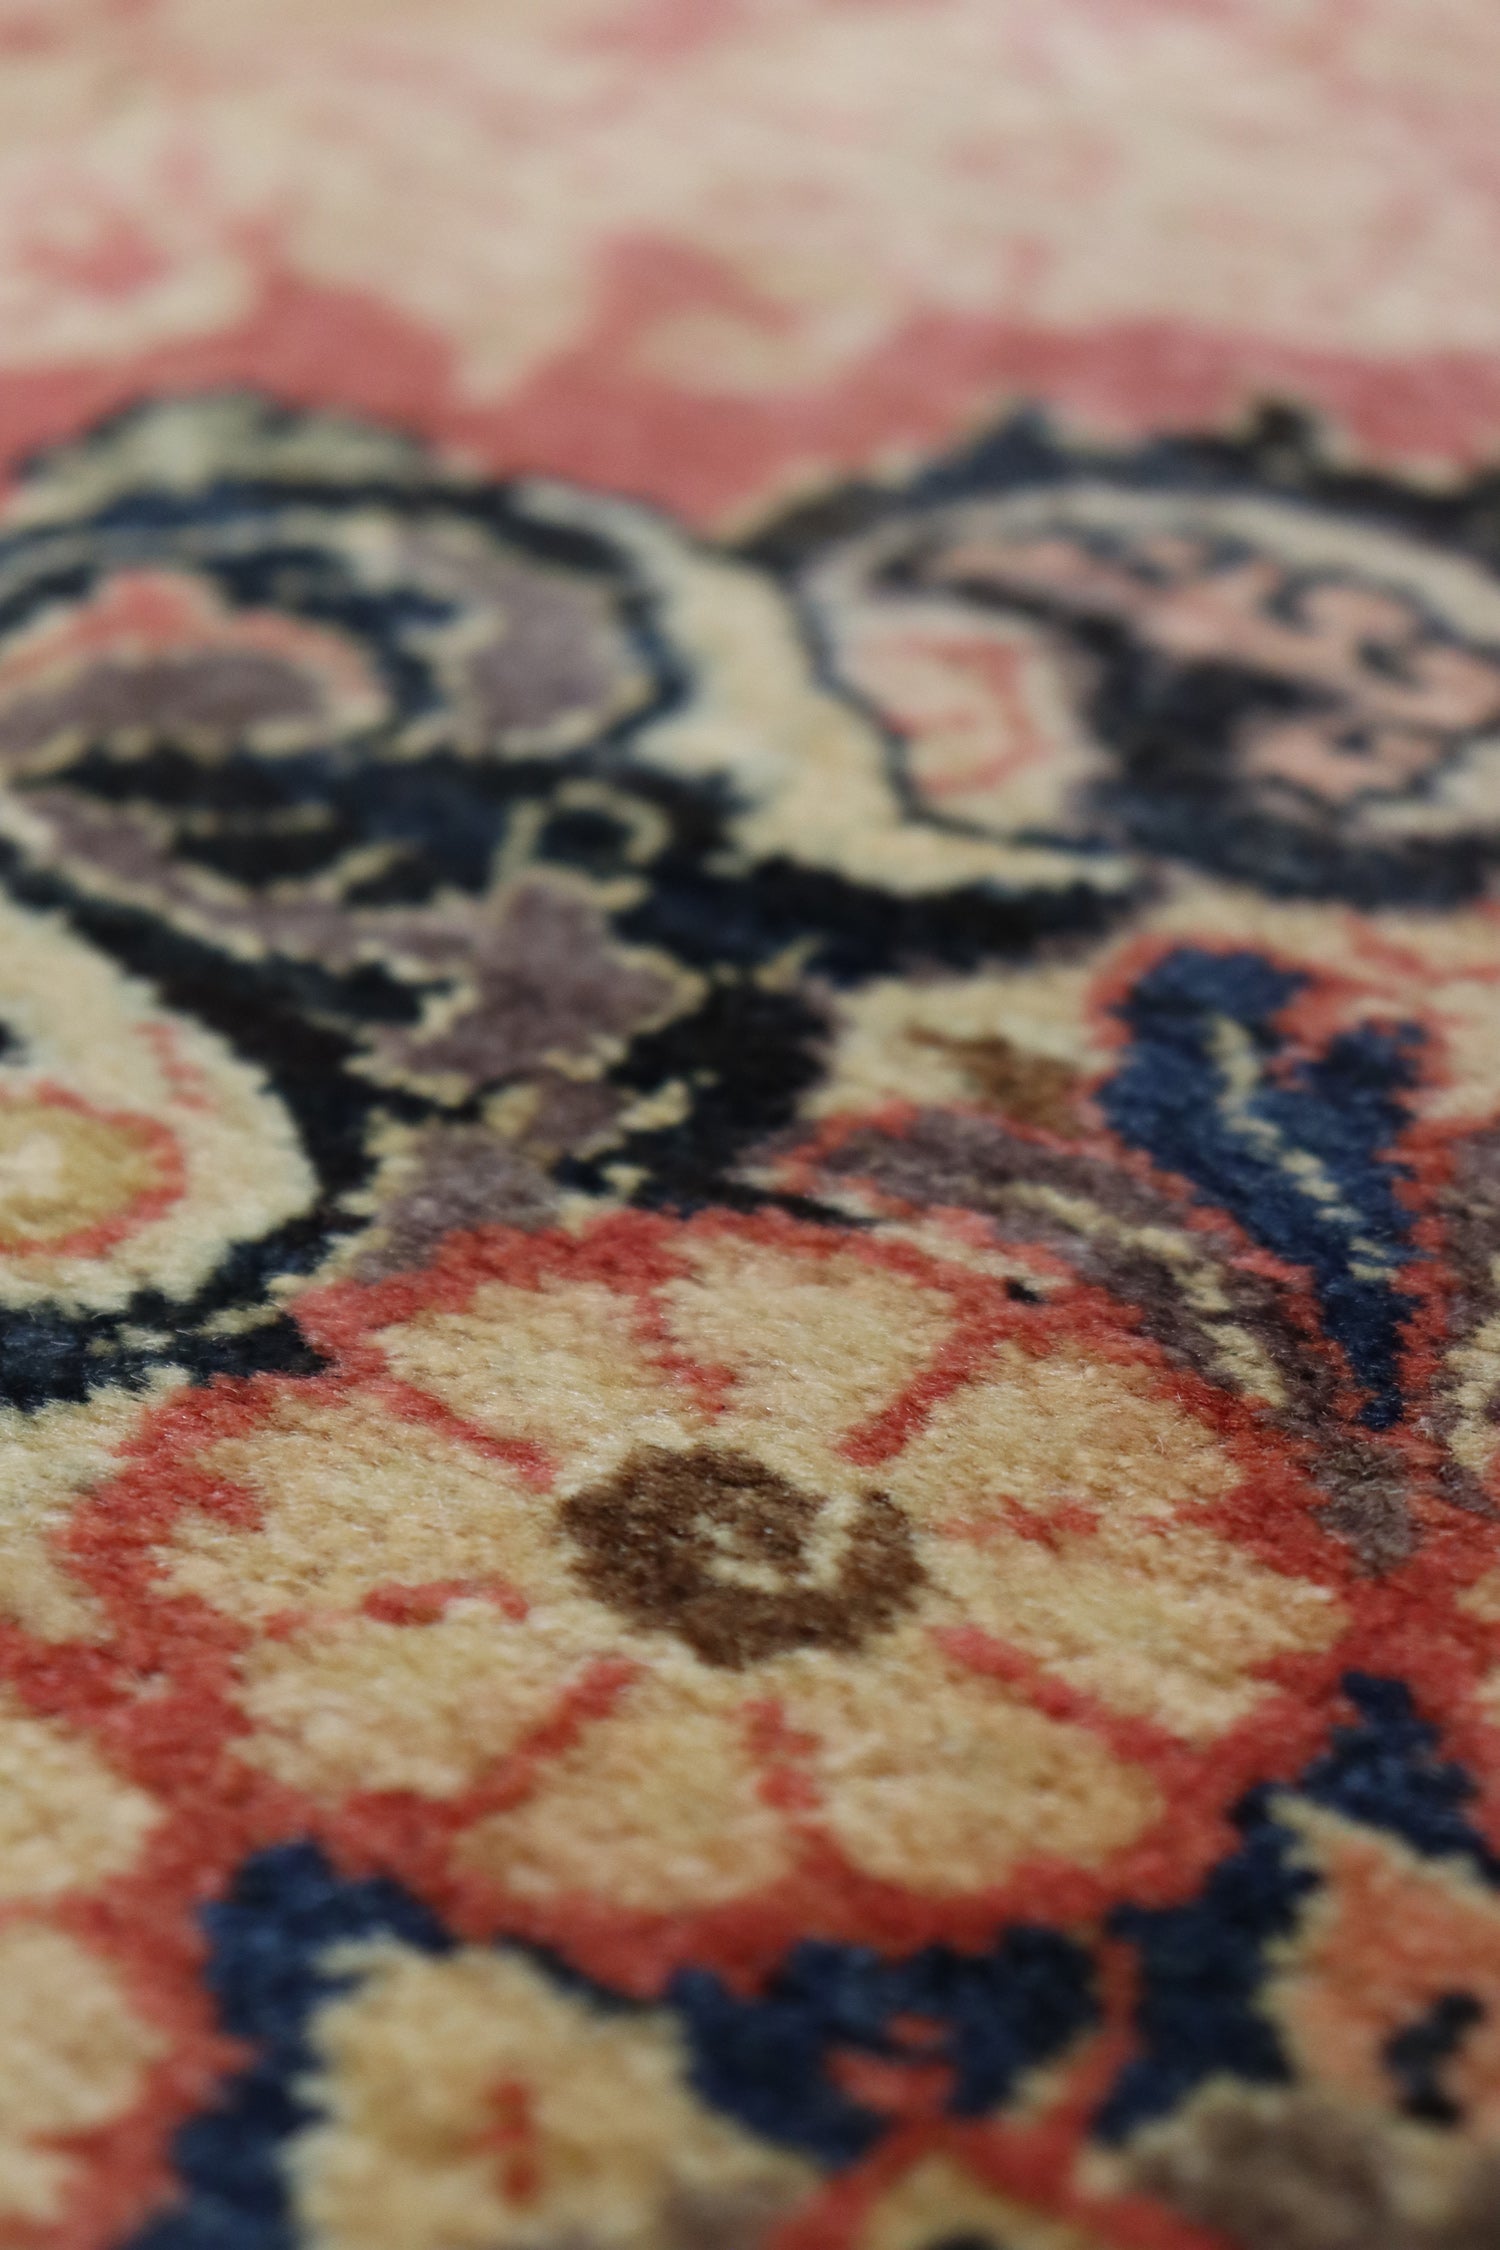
[{"x": 749, "y": 1125}]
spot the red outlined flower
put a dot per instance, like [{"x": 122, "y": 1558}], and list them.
[{"x": 665, "y": 1588}]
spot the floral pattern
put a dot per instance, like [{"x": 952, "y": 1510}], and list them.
[
  {"x": 749, "y": 1184},
  {"x": 750, "y": 1341},
  {"x": 760, "y": 1512}
]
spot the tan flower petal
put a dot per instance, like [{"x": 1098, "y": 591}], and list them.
[
  {"x": 927, "y": 1042},
  {"x": 937, "y": 2202},
  {"x": 560, "y": 1365},
  {"x": 74, "y": 2055},
  {"x": 1156, "y": 1618},
  {"x": 352, "y": 1498},
  {"x": 368, "y": 1705},
  {"x": 93, "y": 1062},
  {"x": 655, "y": 1807},
  {"x": 944, "y": 1781},
  {"x": 66, "y": 1821},
  {"x": 817, "y": 1345},
  {"x": 48, "y": 1459},
  {"x": 468, "y": 2104},
  {"x": 1070, "y": 1426},
  {"x": 1483, "y": 1600}
]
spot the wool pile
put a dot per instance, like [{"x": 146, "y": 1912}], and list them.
[{"x": 749, "y": 1125}]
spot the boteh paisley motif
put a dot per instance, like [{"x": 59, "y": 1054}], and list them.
[
  {"x": 1259, "y": 685},
  {"x": 751, "y": 1354}
]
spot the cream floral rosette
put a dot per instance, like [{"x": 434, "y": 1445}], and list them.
[{"x": 671, "y": 1562}]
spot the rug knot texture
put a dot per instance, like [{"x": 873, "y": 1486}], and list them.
[{"x": 749, "y": 1125}]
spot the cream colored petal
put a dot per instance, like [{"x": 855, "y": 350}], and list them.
[
  {"x": 1159, "y": 1619},
  {"x": 79, "y": 1025},
  {"x": 937, "y": 2201},
  {"x": 1069, "y": 1426},
  {"x": 48, "y": 1460},
  {"x": 817, "y": 1346},
  {"x": 66, "y": 1821},
  {"x": 561, "y": 1366},
  {"x": 74, "y": 2051},
  {"x": 367, "y": 1705},
  {"x": 938, "y": 1779},
  {"x": 900, "y": 1040},
  {"x": 656, "y": 1807},
  {"x": 1483, "y": 1598},
  {"x": 467, "y": 2103},
  {"x": 353, "y": 1497}
]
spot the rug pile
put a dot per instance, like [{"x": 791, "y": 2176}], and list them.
[{"x": 749, "y": 1125}]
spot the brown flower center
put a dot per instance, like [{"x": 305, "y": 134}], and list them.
[{"x": 717, "y": 1548}]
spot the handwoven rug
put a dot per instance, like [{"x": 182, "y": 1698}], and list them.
[{"x": 749, "y": 1125}]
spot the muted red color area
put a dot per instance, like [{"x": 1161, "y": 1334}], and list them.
[
  {"x": 594, "y": 417},
  {"x": 157, "y": 1698}
]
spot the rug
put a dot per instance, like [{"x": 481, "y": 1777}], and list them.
[{"x": 749, "y": 1125}]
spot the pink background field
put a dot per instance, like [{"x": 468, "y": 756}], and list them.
[{"x": 712, "y": 250}]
